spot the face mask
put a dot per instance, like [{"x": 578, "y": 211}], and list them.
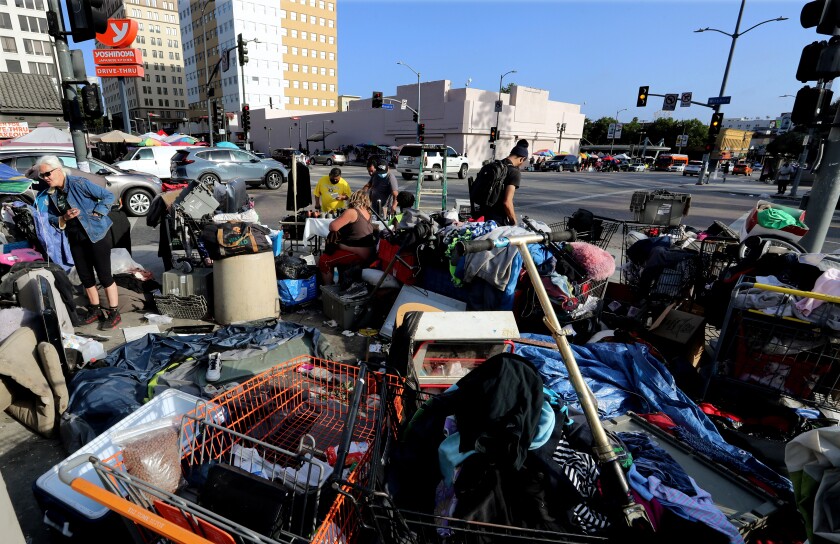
[
  {"x": 382, "y": 174},
  {"x": 334, "y": 181}
]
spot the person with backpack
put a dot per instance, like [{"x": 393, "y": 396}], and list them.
[
  {"x": 492, "y": 191},
  {"x": 382, "y": 187}
]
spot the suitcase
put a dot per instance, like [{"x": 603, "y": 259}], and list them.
[{"x": 36, "y": 292}]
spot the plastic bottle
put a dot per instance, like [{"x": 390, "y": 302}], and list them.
[{"x": 335, "y": 276}]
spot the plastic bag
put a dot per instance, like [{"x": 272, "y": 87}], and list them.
[{"x": 152, "y": 454}]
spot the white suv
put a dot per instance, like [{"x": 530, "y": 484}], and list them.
[
  {"x": 693, "y": 168},
  {"x": 408, "y": 162}
]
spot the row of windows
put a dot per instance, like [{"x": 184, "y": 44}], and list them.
[
  {"x": 294, "y": 16},
  {"x": 29, "y": 4},
  {"x": 14, "y": 67},
  {"x": 330, "y": 6},
  {"x": 315, "y": 70},
  {"x": 157, "y": 66},
  {"x": 304, "y": 52},
  {"x": 153, "y": 4},
  {"x": 311, "y": 36},
  {"x": 295, "y": 84},
  {"x": 163, "y": 102},
  {"x": 307, "y": 102},
  {"x": 159, "y": 54}
]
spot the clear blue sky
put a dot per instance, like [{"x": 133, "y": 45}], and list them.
[{"x": 594, "y": 52}]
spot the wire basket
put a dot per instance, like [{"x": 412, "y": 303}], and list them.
[
  {"x": 670, "y": 281},
  {"x": 601, "y": 234},
  {"x": 189, "y": 307}
]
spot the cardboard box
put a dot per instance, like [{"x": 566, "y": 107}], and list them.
[{"x": 679, "y": 334}]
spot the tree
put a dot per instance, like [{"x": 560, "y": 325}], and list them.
[
  {"x": 509, "y": 87},
  {"x": 788, "y": 144}
]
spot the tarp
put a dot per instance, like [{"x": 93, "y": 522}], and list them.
[
  {"x": 227, "y": 145},
  {"x": 626, "y": 377},
  {"x": 102, "y": 396},
  {"x": 43, "y": 136},
  {"x": 12, "y": 182}
]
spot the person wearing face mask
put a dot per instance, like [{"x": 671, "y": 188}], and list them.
[
  {"x": 80, "y": 208},
  {"x": 332, "y": 192},
  {"x": 382, "y": 187}
]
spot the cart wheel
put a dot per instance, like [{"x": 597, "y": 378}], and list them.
[{"x": 755, "y": 246}]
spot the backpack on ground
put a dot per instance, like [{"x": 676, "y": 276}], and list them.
[{"x": 488, "y": 184}]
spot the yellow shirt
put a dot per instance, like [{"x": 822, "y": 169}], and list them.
[{"x": 328, "y": 192}]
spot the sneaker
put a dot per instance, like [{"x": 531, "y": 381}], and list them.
[
  {"x": 111, "y": 318},
  {"x": 214, "y": 368},
  {"x": 94, "y": 314}
]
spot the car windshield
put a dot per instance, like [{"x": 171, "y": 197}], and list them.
[
  {"x": 695, "y": 163},
  {"x": 129, "y": 155},
  {"x": 410, "y": 151}
]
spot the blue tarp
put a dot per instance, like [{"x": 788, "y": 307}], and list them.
[{"x": 626, "y": 377}]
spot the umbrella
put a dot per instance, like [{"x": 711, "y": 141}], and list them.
[
  {"x": 544, "y": 153},
  {"x": 118, "y": 136},
  {"x": 43, "y": 136},
  {"x": 227, "y": 145},
  {"x": 621, "y": 156},
  {"x": 151, "y": 142},
  {"x": 11, "y": 181}
]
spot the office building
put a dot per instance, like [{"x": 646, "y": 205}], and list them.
[
  {"x": 292, "y": 54},
  {"x": 159, "y": 99},
  {"x": 25, "y": 45}
]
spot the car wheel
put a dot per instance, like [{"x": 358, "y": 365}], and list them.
[
  {"x": 462, "y": 173},
  {"x": 210, "y": 178},
  {"x": 408, "y": 176},
  {"x": 137, "y": 202},
  {"x": 273, "y": 180},
  {"x": 328, "y": 162}
]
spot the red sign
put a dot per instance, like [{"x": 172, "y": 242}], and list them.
[
  {"x": 110, "y": 57},
  {"x": 13, "y": 130},
  {"x": 127, "y": 70},
  {"x": 120, "y": 33}
]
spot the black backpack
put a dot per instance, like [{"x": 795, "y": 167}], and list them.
[{"x": 488, "y": 184}]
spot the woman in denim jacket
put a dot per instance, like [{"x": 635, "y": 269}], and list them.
[{"x": 80, "y": 209}]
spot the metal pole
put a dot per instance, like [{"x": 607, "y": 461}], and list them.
[
  {"x": 65, "y": 65},
  {"x": 324, "y": 135},
  {"x": 290, "y": 135},
  {"x": 825, "y": 192},
  {"x": 206, "y": 73},
  {"x": 244, "y": 101},
  {"x": 802, "y": 158},
  {"x": 498, "y": 111},
  {"x": 124, "y": 104},
  {"x": 269, "y": 140},
  {"x": 418, "y": 107}
]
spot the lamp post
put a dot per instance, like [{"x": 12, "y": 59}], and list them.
[
  {"x": 561, "y": 128},
  {"x": 206, "y": 72},
  {"x": 324, "y": 132},
  {"x": 418, "y": 95},
  {"x": 734, "y": 37},
  {"x": 612, "y": 141},
  {"x": 307, "y": 136},
  {"x": 268, "y": 129},
  {"x": 499, "y": 109}
]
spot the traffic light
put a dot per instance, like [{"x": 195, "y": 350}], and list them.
[
  {"x": 91, "y": 101},
  {"x": 715, "y": 124},
  {"x": 823, "y": 14},
  {"x": 414, "y": 117},
  {"x": 493, "y": 134},
  {"x": 87, "y": 18},
  {"x": 811, "y": 103},
  {"x": 808, "y": 61},
  {"x": 242, "y": 46},
  {"x": 246, "y": 117},
  {"x": 376, "y": 102},
  {"x": 421, "y": 129},
  {"x": 641, "y": 101},
  {"x": 710, "y": 144}
]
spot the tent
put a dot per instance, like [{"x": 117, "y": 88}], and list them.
[
  {"x": 12, "y": 182},
  {"x": 43, "y": 136},
  {"x": 151, "y": 142},
  {"x": 118, "y": 136}
]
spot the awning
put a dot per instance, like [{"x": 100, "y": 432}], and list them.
[{"x": 319, "y": 136}]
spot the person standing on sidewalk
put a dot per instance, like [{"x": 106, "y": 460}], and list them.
[{"x": 784, "y": 178}]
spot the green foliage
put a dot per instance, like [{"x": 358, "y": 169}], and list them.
[
  {"x": 787, "y": 145},
  {"x": 663, "y": 130},
  {"x": 509, "y": 87}
]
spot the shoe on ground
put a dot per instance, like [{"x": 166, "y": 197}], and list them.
[
  {"x": 111, "y": 319},
  {"x": 94, "y": 314},
  {"x": 214, "y": 368}
]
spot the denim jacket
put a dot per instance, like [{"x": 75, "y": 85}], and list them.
[{"x": 88, "y": 198}]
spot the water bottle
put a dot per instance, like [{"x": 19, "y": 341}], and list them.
[{"x": 335, "y": 276}]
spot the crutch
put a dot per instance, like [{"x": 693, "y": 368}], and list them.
[{"x": 634, "y": 514}]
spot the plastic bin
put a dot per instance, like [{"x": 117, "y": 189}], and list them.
[
  {"x": 71, "y": 512},
  {"x": 659, "y": 207},
  {"x": 344, "y": 313}
]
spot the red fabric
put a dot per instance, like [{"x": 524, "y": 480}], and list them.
[
  {"x": 172, "y": 186},
  {"x": 340, "y": 257},
  {"x": 713, "y": 410},
  {"x": 661, "y": 420},
  {"x": 404, "y": 273}
]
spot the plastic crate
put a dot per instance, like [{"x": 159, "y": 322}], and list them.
[
  {"x": 659, "y": 207},
  {"x": 344, "y": 313},
  {"x": 404, "y": 268}
]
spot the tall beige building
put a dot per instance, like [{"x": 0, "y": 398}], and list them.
[
  {"x": 158, "y": 100},
  {"x": 292, "y": 54}
]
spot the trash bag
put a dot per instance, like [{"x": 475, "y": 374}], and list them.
[{"x": 289, "y": 267}]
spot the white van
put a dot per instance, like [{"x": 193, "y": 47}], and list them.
[{"x": 152, "y": 160}]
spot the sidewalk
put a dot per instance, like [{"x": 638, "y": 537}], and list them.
[{"x": 747, "y": 187}]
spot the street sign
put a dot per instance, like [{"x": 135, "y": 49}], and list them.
[
  {"x": 403, "y": 104},
  {"x": 498, "y": 106},
  {"x": 682, "y": 140},
  {"x": 127, "y": 70},
  {"x": 611, "y": 131},
  {"x": 670, "y": 102},
  {"x": 617, "y": 134},
  {"x": 718, "y": 100},
  {"x": 685, "y": 100},
  {"x": 110, "y": 57},
  {"x": 226, "y": 60},
  {"x": 387, "y": 106}
]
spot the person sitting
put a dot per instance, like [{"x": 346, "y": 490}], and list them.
[
  {"x": 405, "y": 200},
  {"x": 351, "y": 240},
  {"x": 332, "y": 192}
]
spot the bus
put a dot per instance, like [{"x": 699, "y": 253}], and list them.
[{"x": 664, "y": 161}]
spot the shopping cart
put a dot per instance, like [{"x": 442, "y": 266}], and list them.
[
  {"x": 776, "y": 352},
  {"x": 603, "y": 229},
  {"x": 287, "y": 421}
]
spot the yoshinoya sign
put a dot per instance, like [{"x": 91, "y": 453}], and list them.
[
  {"x": 108, "y": 57},
  {"x": 122, "y": 70},
  {"x": 13, "y": 130},
  {"x": 120, "y": 33}
]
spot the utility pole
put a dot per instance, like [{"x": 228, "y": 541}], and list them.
[
  {"x": 207, "y": 73},
  {"x": 498, "y": 110}
]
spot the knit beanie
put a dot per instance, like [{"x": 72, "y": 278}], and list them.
[{"x": 521, "y": 149}]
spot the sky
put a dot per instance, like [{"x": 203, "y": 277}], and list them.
[{"x": 594, "y": 53}]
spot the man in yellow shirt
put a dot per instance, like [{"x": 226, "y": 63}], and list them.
[{"x": 331, "y": 192}]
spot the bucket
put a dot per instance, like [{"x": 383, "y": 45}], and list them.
[{"x": 245, "y": 288}]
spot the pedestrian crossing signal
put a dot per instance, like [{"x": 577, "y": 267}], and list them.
[
  {"x": 641, "y": 101},
  {"x": 493, "y": 134}
]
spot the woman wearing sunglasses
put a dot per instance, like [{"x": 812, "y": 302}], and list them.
[{"x": 80, "y": 208}]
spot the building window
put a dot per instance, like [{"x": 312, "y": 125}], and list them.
[
  {"x": 331, "y": 56},
  {"x": 332, "y": 40},
  {"x": 306, "y": 101},
  {"x": 330, "y": 6},
  {"x": 294, "y": 50},
  {"x": 293, "y": 16},
  {"x": 332, "y": 103},
  {"x": 305, "y": 69},
  {"x": 306, "y": 85},
  {"x": 13, "y": 67},
  {"x": 8, "y": 44},
  {"x": 332, "y": 88},
  {"x": 295, "y": 84},
  {"x": 331, "y": 23},
  {"x": 294, "y": 67},
  {"x": 297, "y": 101},
  {"x": 286, "y": 83}
]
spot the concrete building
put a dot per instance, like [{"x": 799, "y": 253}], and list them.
[
  {"x": 777, "y": 125},
  {"x": 292, "y": 54},
  {"x": 24, "y": 43},
  {"x": 344, "y": 101},
  {"x": 158, "y": 100},
  {"x": 459, "y": 117}
]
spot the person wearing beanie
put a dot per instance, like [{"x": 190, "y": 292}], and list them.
[
  {"x": 503, "y": 212},
  {"x": 382, "y": 187}
]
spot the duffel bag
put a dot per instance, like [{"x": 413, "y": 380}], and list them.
[{"x": 235, "y": 238}]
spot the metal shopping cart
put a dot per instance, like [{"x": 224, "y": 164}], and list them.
[
  {"x": 292, "y": 417},
  {"x": 599, "y": 232}
]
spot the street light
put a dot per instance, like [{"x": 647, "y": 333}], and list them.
[
  {"x": 561, "y": 128},
  {"x": 734, "y": 36},
  {"x": 206, "y": 71},
  {"x": 418, "y": 95},
  {"x": 612, "y": 141},
  {"x": 324, "y": 132},
  {"x": 137, "y": 123},
  {"x": 499, "y": 108},
  {"x": 307, "y": 136}
]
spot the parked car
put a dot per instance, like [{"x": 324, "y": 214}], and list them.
[
  {"x": 135, "y": 190},
  {"x": 693, "y": 168},
  {"x": 560, "y": 163},
  {"x": 676, "y": 168},
  {"x": 328, "y": 158},
  {"x": 408, "y": 163},
  {"x": 221, "y": 164},
  {"x": 284, "y": 155},
  {"x": 742, "y": 169},
  {"x": 152, "y": 160}
]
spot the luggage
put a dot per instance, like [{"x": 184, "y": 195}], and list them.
[
  {"x": 235, "y": 238},
  {"x": 37, "y": 293}
]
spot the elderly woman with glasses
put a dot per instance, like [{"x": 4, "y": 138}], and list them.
[{"x": 80, "y": 208}]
